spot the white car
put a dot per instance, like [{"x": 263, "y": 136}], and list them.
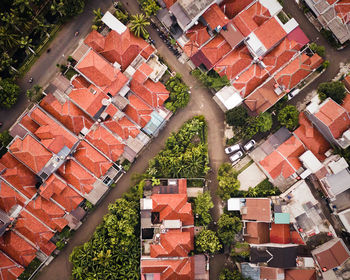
[
  {"x": 293, "y": 93},
  {"x": 250, "y": 145},
  {"x": 232, "y": 149},
  {"x": 235, "y": 157}
]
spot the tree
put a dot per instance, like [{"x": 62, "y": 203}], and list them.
[
  {"x": 334, "y": 90},
  {"x": 208, "y": 242},
  {"x": 34, "y": 94},
  {"x": 138, "y": 25},
  {"x": 123, "y": 17},
  {"x": 202, "y": 205},
  {"x": 289, "y": 117},
  {"x": 237, "y": 116},
  {"x": 150, "y": 7},
  {"x": 320, "y": 50},
  {"x": 228, "y": 183},
  {"x": 228, "y": 227},
  {"x": 179, "y": 94},
  {"x": 264, "y": 122},
  {"x": 9, "y": 92},
  {"x": 98, "y": 17},
  {"x": 227, "y": 274},
  {"x": 240, "y": 250},
  {"x": 5, "y": 138}
]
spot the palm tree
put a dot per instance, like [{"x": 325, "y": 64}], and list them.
[
  {"x": 58, "y": 7},
  {"x": 8, "y": 40},
  {"x": 98, "y": 17},
  {"x": 26, "y": 42},
  {"x": 138, "y": 25},
  {"x": 6, "y": 62}
]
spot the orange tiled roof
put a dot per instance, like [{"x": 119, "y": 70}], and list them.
[
  {"x": 250, "y": 19},
  {"x": 57, "y": 189},
  {"x": 300, "y": 274},
  {"x": 17, "y": 248},
  {"x": 122, "y": 127},
  {"x": 93, "y": 160},
  {"x": 30, "y": 152},
  {"x": 169, "y": 3},
  {"x": 258, "y": 209},
  {"x": 285, "y": 160},
  {"x": 95, "y": 40},
  {"x": 346, "y": 102},
  {"x": 342, "y": 9},
  {"x": 48, "y": 212},
  {"x": 215, "y": 17},
  {"x": 67, "y": 113},
  {"x": 35, "y": 231},
  {"x": 174, "y": 243},
  {"x": 234, "y": 63},
  {"x": 18, "y": 175},
  {"x": 173, "y": 207},
  {"x": 197, "y": 36},
  {"x": 123, "y": 48},
  {"x": 77, "y": 176},
  {"x": 169, "y": 269},
  {"x": 232, "y": 8},
  {"x": 154, "y": 94},
  {"x": 257, "y": 233},
  {"x": 271, "y": 273},
  {"x": 311, "y": 137},
  {"x": 138, "y": 110},
  {"x": 280, "y": 233},
  {"x": 334, "y": 116},
  {"x": 270, "y": 33},
  {"x": 9, "y": 269},
  {"x": 9, "y": 197},
  {"x": 106, "y": 142}
]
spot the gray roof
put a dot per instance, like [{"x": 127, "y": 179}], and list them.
[
  {"x": 180, "y": 14},
  {"x": 339, "y": 182},
  {"x": 250, "y": 271}
]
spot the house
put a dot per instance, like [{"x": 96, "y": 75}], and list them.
[
  {"x": 252, "y": 209},
  {"x": 9, "y": 269},
  {"x": 332, "y": 258},
  {"x": 333, "y": 16},
  {"x": 274, "y": 256}
]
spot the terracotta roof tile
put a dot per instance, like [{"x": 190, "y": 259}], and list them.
[
  {"x": 280, "y": 233},
  {"x": 67, "y": 113},
  {"x": 169, "y": 3},
  {"x": 57, "y": 189},
  {"x": 30, "y": 152},
  {"x": 271, "y": 273},
  {"x": 106, "y": 142},
  {"x": 95, "y": 40},
  {"x": 197, "y": 36},
  {"x": 138, "y": 110},
  {"x": 9, "y": 197},
  {"x": 257, "y": 209},
  {"x": 335, "y": 255},
  {"x": 232, "y": 8},
  {"x": 17, "y": 248},
  {"x": 93, "y": 160},
  {"x": 18, "y": 175},
  {"x": 77, "y": 176},
  {"x": 35, "y": 231},
  {"x": 270, "y": 33},
  {"x": 215, "y": 17},
  {"x": 342, "y": 9},
  {"x": 311, "y": 137},
  {"x": 9, "y": 269},
  {"x": 80, "y": 82},
  {"x": 122, "y": 127},
  {"x": 300, "y": 274},
  {"x": 257, "y": 233}
]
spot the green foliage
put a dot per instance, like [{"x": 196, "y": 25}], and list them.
[
  {"x": 150, "y": 7},
  {"x": 240, "y": 250},
  {"x": 334, "y": 90},
  {"x": 227, "y": 274},
  {"x": 237, "y": 116},
  {"x": 330, "y": 37},
  {"x": 29, "y": 270},
  {"x": 60, "y": 244},
  {"x": 228, "y": 183},
  {"x": 138, "y": 24},
  {"x": 179, "y": 94},
  {"x": 202, "y": 205},
  {"x": 289, "y": 117},
  {"x": 155, "y": 182},
  {"x": 185, "y": 154},
  {"x": 212, "y": 80},
  {"x": 88, "y": 205},
  {"x": 122, "y": 16},
  {"x": 320, "y": 50},
  {"x": 228, "y": 227},
  {"x": 98, "y": 17},
  {"x": 5, "y": 138},
  {"x": 207, "y": 242},
  {"x": 264, "y": 122},
  {"x": 325, "y": 64},
  {"x": 126, "y": 164},
  {"x": 9, "y": 92},
  {"x": 35, "y": 93}
]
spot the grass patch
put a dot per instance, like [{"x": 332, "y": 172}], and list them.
[
  {"x": 283, "y": 17},
  {"x": 70, "y": 73}
]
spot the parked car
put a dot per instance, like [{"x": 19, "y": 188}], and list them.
[
  {"x": 232, "y": 149},
  {"x": 250, "y": 145},
  {"x": 235, "y": 157},
  {"x": 293, "y": 93}
]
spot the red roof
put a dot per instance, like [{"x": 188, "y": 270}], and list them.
[
  {"x": 67, "y": 113},
  {"x": 18, "y": 175},
  {"x": 299, "y": 36},
  {"x": 142, "y": 73},
  {"x": 342, "y": 9},
  {"x": 123, "y": 48},
  {"x": 311, "y": 137},
  {"x": 197, "y": 36},
  {"x": 169, "y": 3},
  {"x": 154, "y": 94},
  {"x": 31, "y": 228},
  {"x": 9, "y": 269},
  {"x": 93, "y": 160},
  {"x": 300, "y": 274},
  {"x": 48, "y": 212},
  {"x": 51, "y": 133},
  {"x": 257, "y": 209},
  {"x": 173, "y": 243},
  {"x": 284, "y": 161},
  {"x": 270, "y": 33},
  {"x": 57, "y": 189},
  {"x": 271, "y": 273},
  {"x": 215, "y": 17},
  {"x": 234, "y": 63},
  {"x": 17, "y": 248},
  {"x": 106, "y": 143},
  {"x": 346, "y": 102},
  {"x": 9, "y": 197},
  {"x": 173, "y": 207},
  {"x": 30, "y": 152},
  {"x": 250, "y": 19},
  {"x": 280, "y": 233},
  {"x": 334, "y": 116},
  {"x": 231, "y": 8},
  {"x": 169, "y": 269},
  {"x": 77, "y": 176},
  {"x": 333, "y": 255},
  {"x": 122, "y": 127},
  {"x": 138, "y": 110},
  {"x": 257, "y": 233},
  {"x": 95, "y": 40}
]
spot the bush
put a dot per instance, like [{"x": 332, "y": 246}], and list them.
[
  {"x": 228, "y": 183},
  {"x": 237, "y": 116},
  {"x": 289, "y": 117},
  {"x": 202, "y": 205},
  {"x": 334, "y": 90},
  {"x": 227, "y": 274},
  {"x": 320, "y": 50},
  {"x": 60, "y": 244},
  {"x": 5, "y": 138},
  {"x": 179, "y": 94},
  {"x": 207, "y": 242},
  {"x": 211, "y": 80},
  {"x": 9, "y": 92}
]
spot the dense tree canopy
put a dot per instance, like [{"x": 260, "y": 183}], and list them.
[
  {"x": 179, "y": 94},
  {"x": 9, "y": 92},
  {"x": 227, "y": 274},
  {"x": 237, "y": 116},
  {"x": 228, "y": 183},
  {"x": 334, "y": 90},
  {"x": 202, "y": 205},
  {"x": 289, "y": 117},
  {"x": 207, "y": 242},
  {"x": 228, "y": 227}
]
